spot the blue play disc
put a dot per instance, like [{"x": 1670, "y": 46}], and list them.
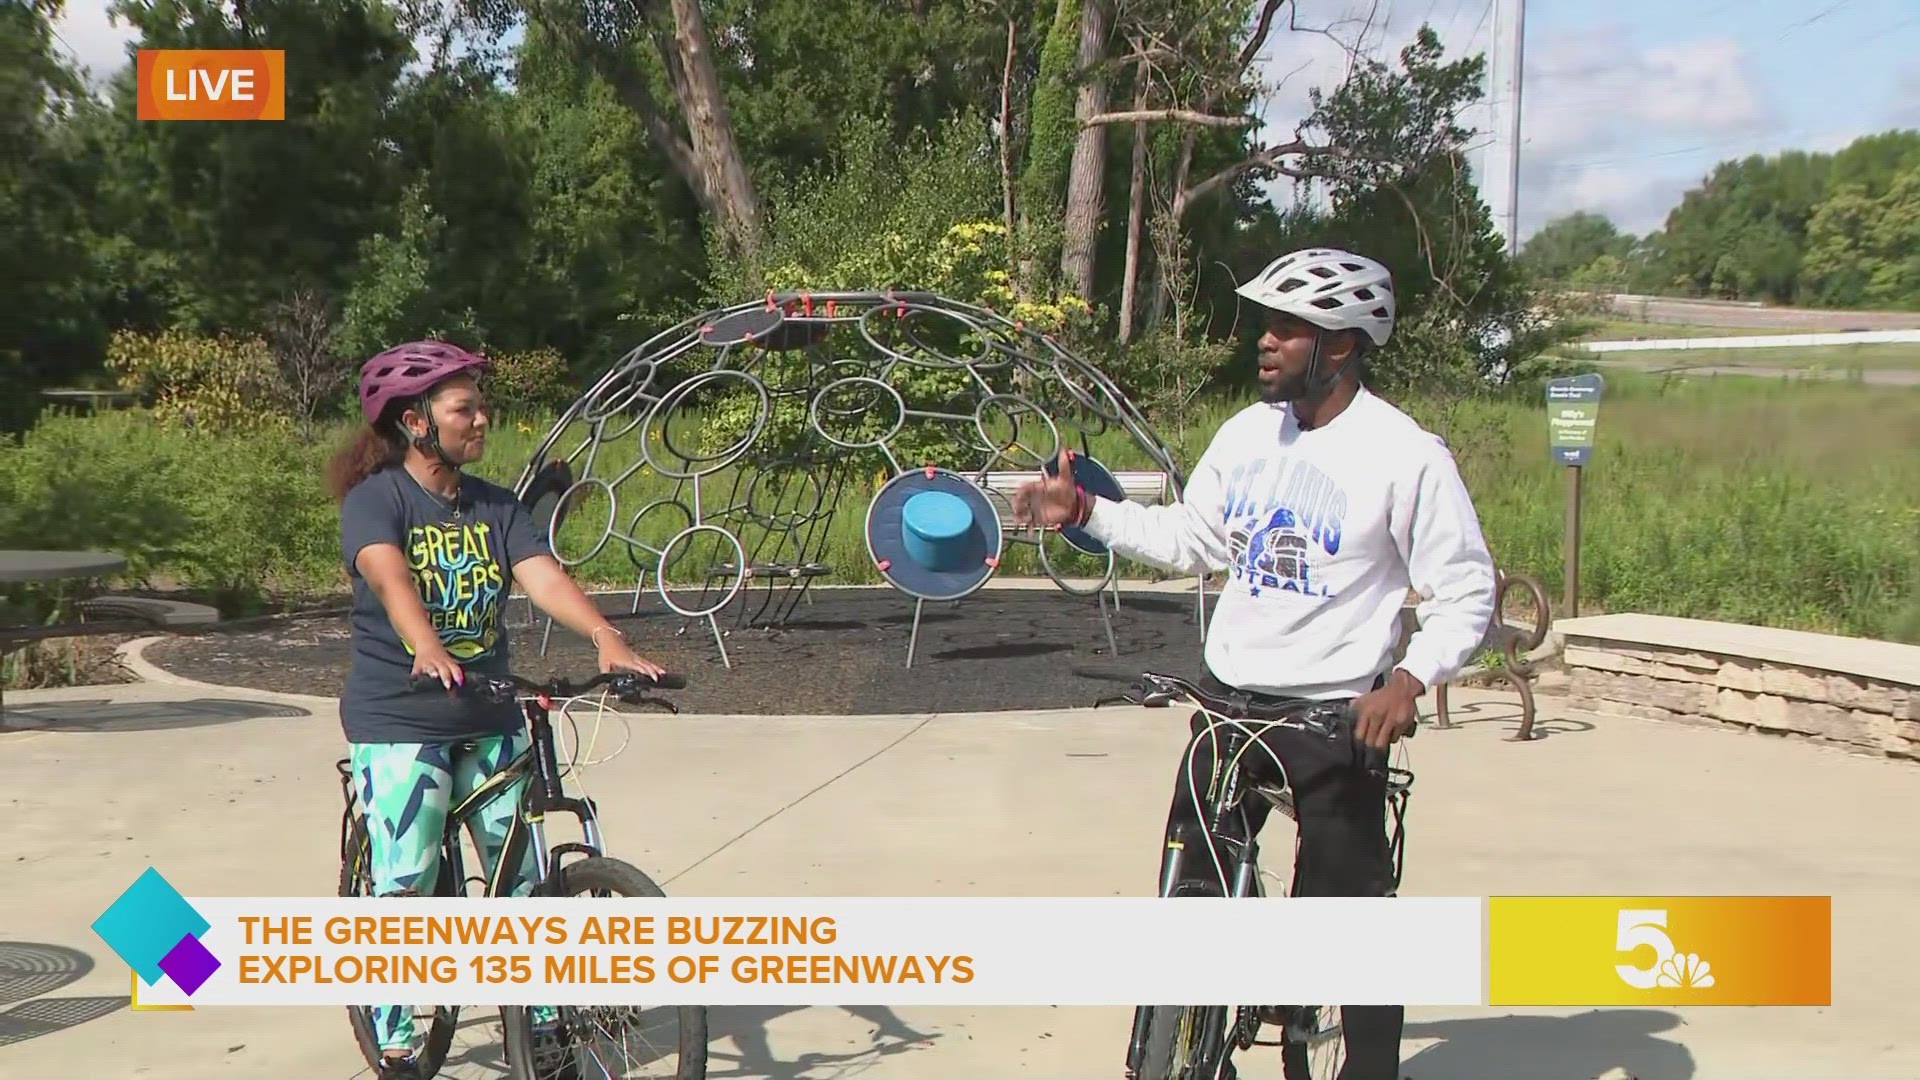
[{"x": 933, "y": 535}]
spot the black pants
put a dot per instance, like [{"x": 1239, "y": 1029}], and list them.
[{"x": 1341, "y": 811}]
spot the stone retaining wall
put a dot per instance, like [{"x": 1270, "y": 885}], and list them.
[{"x": 1663, "y": 683}]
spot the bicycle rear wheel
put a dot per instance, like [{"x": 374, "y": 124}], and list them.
[
  {"x": 429, "y": 1049},
  {"x": 608, "y": 1042},
  {"x": 1313, "y": 1043}
]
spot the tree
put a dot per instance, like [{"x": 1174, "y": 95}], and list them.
[
  {"x": 1570, "y": 243},
  {"x": 249, "y": 213},
  {"x": 1396, "y": 176},
  {"x": 1866, "y": 250},
  {"x": 49, "y": 279},
  {"x": 636, "y": 46}
]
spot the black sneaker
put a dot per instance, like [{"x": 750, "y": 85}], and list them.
[
  {"x": 553, "y": 1057},
  {"x": 398, "y": 1068}
]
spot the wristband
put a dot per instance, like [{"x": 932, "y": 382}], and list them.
[{"x": 1082, "y": 507}]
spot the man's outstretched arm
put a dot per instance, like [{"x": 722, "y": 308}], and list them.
[
  {"x": 1449, "y": 566},
  {"x": 1188, "y": 536}
]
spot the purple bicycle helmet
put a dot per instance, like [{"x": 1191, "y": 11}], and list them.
[{"x": 404, "y": 372}]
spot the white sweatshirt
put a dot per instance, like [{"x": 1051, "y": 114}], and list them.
[{"x": 1322, "y": 532}]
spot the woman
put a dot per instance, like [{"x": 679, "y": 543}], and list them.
[{"x": 433, "y": 554}]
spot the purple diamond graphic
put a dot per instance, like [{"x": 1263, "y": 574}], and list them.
[{"x": 189, "y": 965}]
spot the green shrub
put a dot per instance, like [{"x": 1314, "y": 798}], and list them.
[
  {"x": 240, "y": 513},
  {"x": 525, "y": 383}
]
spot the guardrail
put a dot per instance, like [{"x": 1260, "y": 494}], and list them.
[{"x": 1755, "y": 341}]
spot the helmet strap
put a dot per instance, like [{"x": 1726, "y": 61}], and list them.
[
  {"x": 1317, "y": 381},
  {"x": 430, "y": 442}
]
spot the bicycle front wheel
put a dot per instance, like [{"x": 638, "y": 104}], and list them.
[
  {"x": 1184, "y": 1042},
  {"x": 612, "y": 1042}
]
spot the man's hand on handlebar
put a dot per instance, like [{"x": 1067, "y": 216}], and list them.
[{"x": 1389, "y": 713}]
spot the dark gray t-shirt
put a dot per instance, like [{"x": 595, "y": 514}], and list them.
[{"x": 462, "y": 566}]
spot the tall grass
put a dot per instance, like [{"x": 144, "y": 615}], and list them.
[{"x": 1783, "y": 504}]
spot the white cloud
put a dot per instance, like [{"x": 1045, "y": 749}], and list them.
[
  {"x": 1610, "y": 126},
  {"x": 1905, "y": 109},
  {"x": 92, "y": 40}
]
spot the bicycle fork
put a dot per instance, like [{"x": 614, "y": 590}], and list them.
[{"x": 1242, "y": 880}]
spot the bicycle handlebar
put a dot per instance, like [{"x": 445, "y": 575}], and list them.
[
  {"x": 626, "y": 685},
  {"x": 1330, "y": 719}
]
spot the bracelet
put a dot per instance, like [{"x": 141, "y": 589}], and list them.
[
  {"x": 594, "y": 638},
  {"x": 1082, "y": 507}
]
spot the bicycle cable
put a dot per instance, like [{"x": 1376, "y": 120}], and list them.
[{"x": 1193, "y": 788}]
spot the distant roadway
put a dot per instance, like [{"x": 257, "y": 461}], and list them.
[{"x": 1661, "y": 309}]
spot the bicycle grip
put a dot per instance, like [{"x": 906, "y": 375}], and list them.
[{"x": 668, "y": 680}]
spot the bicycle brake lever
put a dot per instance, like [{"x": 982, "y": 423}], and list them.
[{"x": 642, "y": 699}]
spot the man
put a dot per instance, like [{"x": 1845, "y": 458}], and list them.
[{"x": 1324, "y": 505}]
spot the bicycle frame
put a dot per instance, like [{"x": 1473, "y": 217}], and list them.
[
  {"x": 542, "y": 795},
  {"x": 539, "y": 765},
  {"x": 1223, "y": 812}
]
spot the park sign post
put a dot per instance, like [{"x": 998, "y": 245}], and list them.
[
  {"x": 1573, "y": 414},
  {"x": 1573, "y": 409}
]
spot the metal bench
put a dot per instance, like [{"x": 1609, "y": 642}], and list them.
[
  {"x": 165, "y": 614},
  {"x": 1148, "y": 487},
  {"x": 101, "y": 615},
  {"x": 1511, "y": 642}
]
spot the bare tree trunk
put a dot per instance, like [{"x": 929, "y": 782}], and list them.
[
  {"x": 1085, "y": 179},
  {"x": 1136, "y": 206},
  {"x": 1182, "y": 166},
  {"x": 710, "y": 129},
  {"x": 1006, "y": 147},
  {"x": 705, "y": 155}
]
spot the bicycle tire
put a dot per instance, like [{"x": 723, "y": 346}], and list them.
[
  {"x": 1167, "y": 1056},
  {"x": 598, "y": 874},
  {"x": 446, "y": 1018}
]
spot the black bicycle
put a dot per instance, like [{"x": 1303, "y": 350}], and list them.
[
  {"x": 587, "y": 1042},
  {"x": 1192, "y": 1042}
]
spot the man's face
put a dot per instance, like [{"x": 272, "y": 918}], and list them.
[{"x": 1285, "y": 351}]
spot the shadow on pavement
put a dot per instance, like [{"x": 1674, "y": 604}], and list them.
[
  {"x": 27, "y": 972},
  {"x": 1579, "y": 1047},
  {"x": 751, "y": 1054},
  {"x": 1506, "y": 710},
  {"x": 99, "y": 714}
]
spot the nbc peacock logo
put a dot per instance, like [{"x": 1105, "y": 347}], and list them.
[{"x": 1646, "y": 928}]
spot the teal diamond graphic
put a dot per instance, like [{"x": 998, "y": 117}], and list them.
[{"x": 145, "y": 924}]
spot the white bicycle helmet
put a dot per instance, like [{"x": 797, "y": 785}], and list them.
[{"x": 1332, "y": 289}]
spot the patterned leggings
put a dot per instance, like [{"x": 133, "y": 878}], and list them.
[{"x": 407, "y": 789}]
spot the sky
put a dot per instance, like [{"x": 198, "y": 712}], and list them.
[{"x": 1624, "y": 104}]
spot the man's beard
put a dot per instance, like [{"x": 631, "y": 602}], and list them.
[{"x": 1286, "y": 389}]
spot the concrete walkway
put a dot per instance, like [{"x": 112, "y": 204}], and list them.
[{"x": 235, "y": 792}]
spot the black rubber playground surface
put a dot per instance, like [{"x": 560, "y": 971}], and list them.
[{"x": 842, "y": 653}]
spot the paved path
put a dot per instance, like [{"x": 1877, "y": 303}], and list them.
[{"x": 236, "y": 793}]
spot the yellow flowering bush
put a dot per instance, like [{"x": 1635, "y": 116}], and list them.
[{"x": 200, "y": 383}]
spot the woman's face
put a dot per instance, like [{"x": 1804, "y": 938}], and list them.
[{"x": 461, "y": 414}]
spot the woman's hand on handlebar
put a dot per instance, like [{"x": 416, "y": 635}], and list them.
[
  {"x": 617, "y": 655},
  {"x": 434, "y": 662}
]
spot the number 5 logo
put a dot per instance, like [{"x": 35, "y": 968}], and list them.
[{"x": 1643, "y": 927}]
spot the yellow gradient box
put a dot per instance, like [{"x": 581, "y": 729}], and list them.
[{"x": 1671, "y": 950}]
